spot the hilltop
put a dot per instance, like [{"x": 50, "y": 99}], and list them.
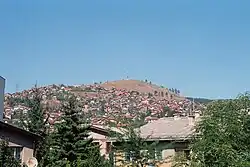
[
  {"x": 103, "y": 103},
  {"x": 142, "y": 87}
]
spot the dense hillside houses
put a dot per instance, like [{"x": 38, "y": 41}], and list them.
[
  {"x": 104, "y": 103},
  {"x": 111, "y": 106}
]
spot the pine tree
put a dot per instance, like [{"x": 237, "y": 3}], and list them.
[
  {"x": 35, "y": 122},
  {"x": 6, "y": 157},
  {"x": 94, "y": 159},
  {"x": 71, "y": 143}
]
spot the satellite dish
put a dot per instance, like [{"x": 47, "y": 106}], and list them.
[{"x": 32, "y": 162}]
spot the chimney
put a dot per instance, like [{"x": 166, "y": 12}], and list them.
[{"x": 2, "y": 86}]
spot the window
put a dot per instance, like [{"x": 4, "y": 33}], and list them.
[
  {"x": 158, "y": 154},
  {"x": 152, "y": 154},
  {"x": 16, "y": 152},
  {"x": 131, "y": 155},
  {"x": 186, "y": 153},
  {"x": 127, "y": 156}
]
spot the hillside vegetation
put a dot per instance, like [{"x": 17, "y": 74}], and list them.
[{"x": 103, "y": 103}]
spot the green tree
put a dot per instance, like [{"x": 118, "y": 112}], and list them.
[
  {"x": 6, "y": 156},
  {"x": 94, "y": 159},
  {"x": 222, "y": 134},
  {"x": 180, "y": 160},
  {"x": 36, "y": 122},
  {"x": 137, "y": 150},
  {"x": 71, "y": 143}
]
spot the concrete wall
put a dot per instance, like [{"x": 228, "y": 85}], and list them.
[
  {"x": 2, "y": 86},
  {"x": 26, "y": 154}
]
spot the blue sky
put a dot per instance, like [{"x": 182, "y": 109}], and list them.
[{"x": 199, "y": 47}]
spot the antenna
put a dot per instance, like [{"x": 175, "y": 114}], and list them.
[
  {"x": 17, "y": 87},
  {"x": 36, "y": 84},
  {"x": 32, "y": 162}
]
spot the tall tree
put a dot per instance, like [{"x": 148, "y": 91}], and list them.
[
  {"x": 36, "y": 122},
  {"x": 71, "y": 143},
  {"x": 222, "y": 138}
]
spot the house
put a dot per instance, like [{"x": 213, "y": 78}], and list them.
[
  {"x": 20, "y": 141},
  {"x": 172, "y": 135},
  {"x": 100, "y": 136}
]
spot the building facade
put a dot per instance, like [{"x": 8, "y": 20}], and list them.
[{"x": 21, "y": 142}]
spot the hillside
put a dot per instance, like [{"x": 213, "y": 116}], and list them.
[
  {"x": 142, "y": 87},
  {"x": 105, "y": 103}
]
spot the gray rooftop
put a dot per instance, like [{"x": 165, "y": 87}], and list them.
[{"x": 168, "y": 128}]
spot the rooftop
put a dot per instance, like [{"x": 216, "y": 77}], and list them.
[
  {"x": 169, "y": 128},
  {"x": 15, "y": 129}
]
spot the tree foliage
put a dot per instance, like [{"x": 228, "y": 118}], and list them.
[
  {"x": 6, "y": 156},
  {"x": 137, "y": 150},
  {"x": 71, "y": 143},
  {"x": 180, "y": 160},
  {"x": 222, "y": 135},
  {"x": 35, "y": 121}
]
